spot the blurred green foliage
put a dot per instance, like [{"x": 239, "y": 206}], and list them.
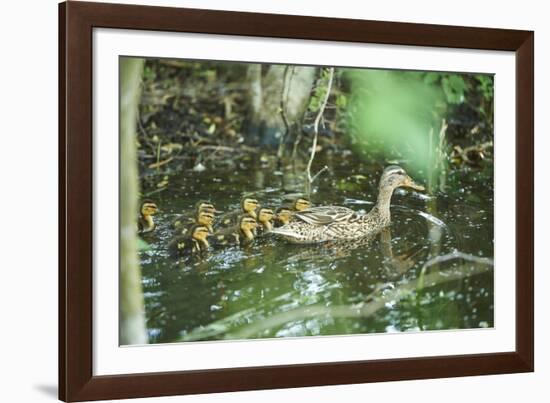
[
  {"x": 397, "y": 115},
  {"x": 393, "y": 113}
]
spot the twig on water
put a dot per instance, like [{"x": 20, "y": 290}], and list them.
[
  {"x": 158, "y": 156},
  {"x": 158, "y": 164},
  {"x": 310, "y": 179}
]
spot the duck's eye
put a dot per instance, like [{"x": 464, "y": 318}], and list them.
[{"x": 398, "y": 172}]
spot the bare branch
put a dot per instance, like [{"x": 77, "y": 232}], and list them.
[
  {"x": 319, "y": 173},
  {"x": 316, "y": 129}
]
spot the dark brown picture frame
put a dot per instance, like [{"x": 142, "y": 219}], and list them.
[{"x": 76, "y": 23}]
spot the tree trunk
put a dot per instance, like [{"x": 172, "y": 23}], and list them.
[
  {"x": 265, "y": 125},
  {"x": 132, "y": 316}
]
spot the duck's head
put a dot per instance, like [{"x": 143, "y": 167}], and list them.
[
  {"x": 205, "y": 217},
  {"x": 204, "y": 205},
  {"x": 301, "y": 204},
  {"x": 247, "y": 224},
  {"x": 265, "y": 216},
  {"x": 148, "y": 208},
  {"x": 283, "y": 215},
  {"x": 394, "y": 176},
  {"x": 250, "y": 205},
  {"x": 200, "y": 233}
]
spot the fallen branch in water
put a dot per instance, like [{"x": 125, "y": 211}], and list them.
[
  {"x": 372, "y": 303},
  {"x": 160, "y": 163},
  {"x": 241, "y": 148},
  {"x": 363, "y": 309}
]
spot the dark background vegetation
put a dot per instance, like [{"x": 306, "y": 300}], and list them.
[{"x": 208, "y": 115}]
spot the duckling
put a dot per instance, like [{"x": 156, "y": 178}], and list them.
[
  {"x": 204, "y": 217},
  {"x": 265, "y": 219},
  {"x": 248, "y": 207},
  {"x": 194, "y": 242},
  {"x": 145, "y": 222},
  {"x": 283, "y": 215},
  {"x": 334, "y": 223},
  {"x": 240, "y": 234},
  {"x": 301, "y": 204},
  {"x": 191, "y": 218}
]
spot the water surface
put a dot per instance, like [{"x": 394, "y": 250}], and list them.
[{"x": 430, "y": 271}]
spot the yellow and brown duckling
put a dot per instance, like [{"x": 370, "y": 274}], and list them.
[
  {"x": 145, "y": 222},
  {"x": 248, "y": 207},
  {"x": 265, "y": 219},
  {"x": 335, "y": 223},
  {"x": 191, "y": 218},
  {"x": 283, "y": 215},
  {"x": 242, "y": 233},
  {"x": 204, "y": 217},
  {"x": 301, "y": 204},
  {"x": 194, "y": 242}
]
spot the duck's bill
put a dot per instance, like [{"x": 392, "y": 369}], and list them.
[{"x": 410, "y": 183}]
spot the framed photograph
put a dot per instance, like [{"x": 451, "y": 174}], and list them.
[{"x": 253, "y": 201}]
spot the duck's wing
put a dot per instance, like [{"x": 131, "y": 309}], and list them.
[{"x": 325, "y": 215}]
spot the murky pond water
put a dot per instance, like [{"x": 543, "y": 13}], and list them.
[{"x": 431, "y": 270}]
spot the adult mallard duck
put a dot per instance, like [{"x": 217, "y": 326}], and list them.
[
  {"x": 195, "y": 241},
  {"x": 332, "y": 223},
  {"x": 241, "y": 233},
  {"x": 190, "y": 218},
  {"x": 248, "y": 207},
  {"x": 145, "y": 220}
]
